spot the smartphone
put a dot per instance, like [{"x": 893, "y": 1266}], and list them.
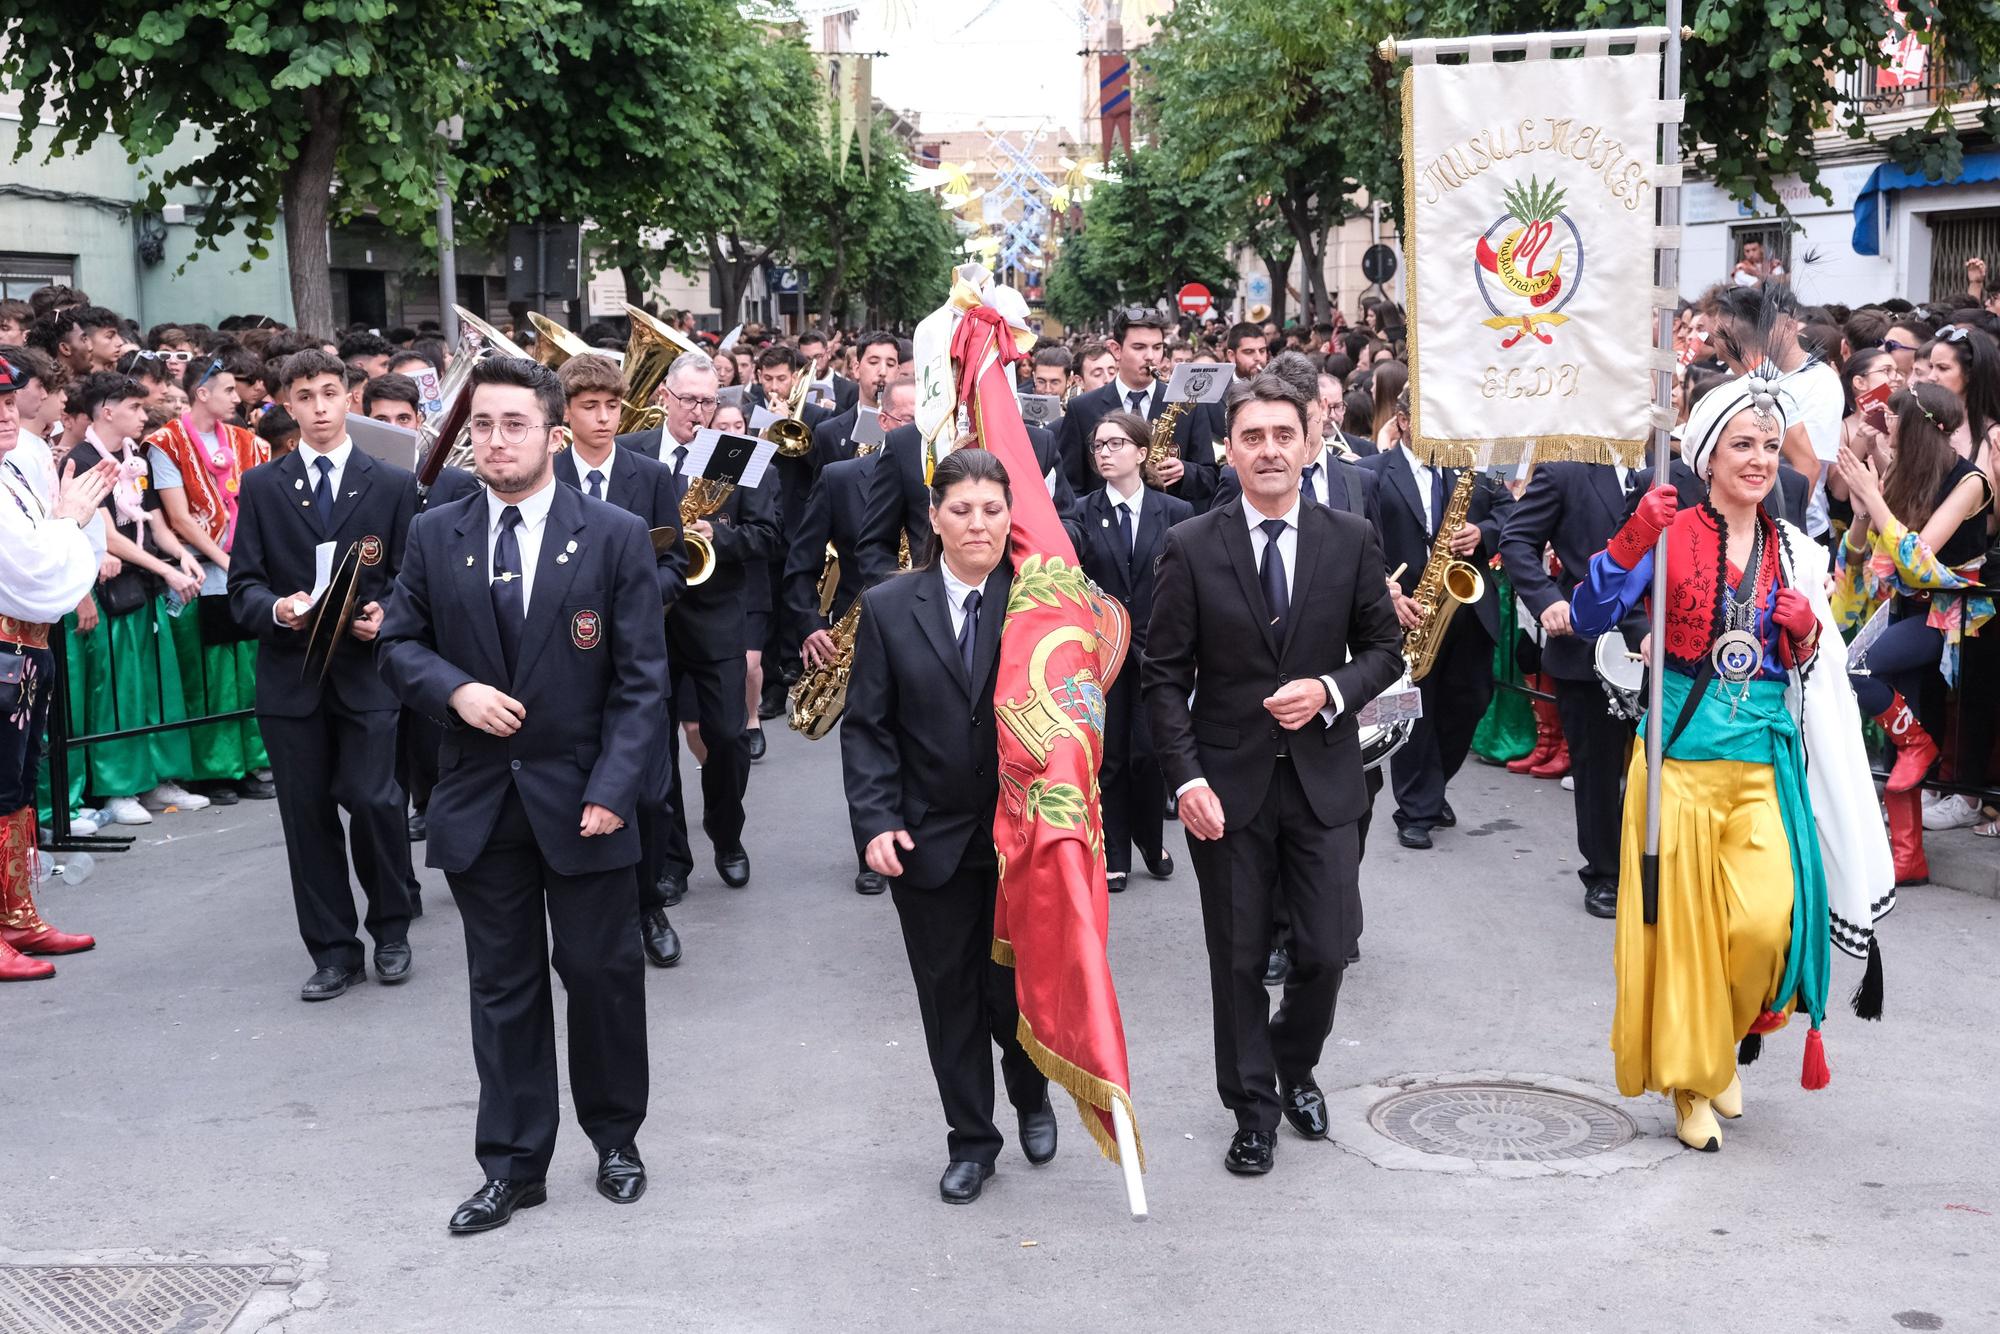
[{"x": 1873, "y": 407}]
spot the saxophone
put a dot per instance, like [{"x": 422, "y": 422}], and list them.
[
  {"x": 703, "y": 498},
  {"x": 1447, "y": 583},
  {"x": 820, "y": 696},
  {"x": 1161, "y": 447}
]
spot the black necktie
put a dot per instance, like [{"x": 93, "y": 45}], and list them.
[
  {"x": 1437, "y": 499},
  {"x": 1277, "y": 599},
  {"x": 1137, "y": 399},
  {"x": 968, "y": 632},
  {"x": 596, "y": 484},
  {"x": 507, "y": 585},
  {"x": 1306, "y": 491},
  {"x": 323, "y": 494},
  {"x": 1125, "y": 530},
  {"x": 680, "y": 457}
]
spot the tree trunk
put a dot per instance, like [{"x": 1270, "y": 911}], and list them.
[
  {"x": 1279, "y": 267},
  {"x": 635, "y": 286},
  {"x": 308, "y": 191},
  {"x": 730, "y": 280}
]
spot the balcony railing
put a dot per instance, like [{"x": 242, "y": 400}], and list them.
[{"x": 1898, "y": 87}]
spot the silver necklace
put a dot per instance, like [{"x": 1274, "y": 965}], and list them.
[{"x": 1738, "y": 655}]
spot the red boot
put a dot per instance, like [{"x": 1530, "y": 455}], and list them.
[
  {"x": 1547, "y": 730},
  {"x": 1906, "y": 837},
  {"x": 1915, "y": 751},
  {"x": 21, "y": 927},
  {"x": 1557, "y": 764}
]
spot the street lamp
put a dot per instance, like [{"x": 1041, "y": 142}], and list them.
[{"x": 452, "y": 131}]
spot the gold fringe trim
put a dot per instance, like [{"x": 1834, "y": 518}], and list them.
[
  {"x": 1092, "y": 1094},
  {"x": 1003, "y": 952},
  {"x": 1499, "y": 453}
]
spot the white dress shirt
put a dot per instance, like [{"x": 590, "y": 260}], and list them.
[
  {"x": 1134, "y": 502},
  {"x": 1320, "y": 485},
  {"x": 1423, "y": 474},
  {"x": 585, "y": 468},
  {"x": 338, "y": 456},
  {"x": 955, "y": 590},
  {"x": 1288, "y": 551},
  {"x": 1125, "y": 392},
  {"x": 534, "y": 519}
]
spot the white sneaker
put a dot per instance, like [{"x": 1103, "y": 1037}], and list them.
[
  {"x": 1931, "y": 796},
  {"x": 82, "y": 826},
  {"x": 1952, "y": 812},
  {"x": 172, "y": 794},
  {"x": 126, "y": 810}
]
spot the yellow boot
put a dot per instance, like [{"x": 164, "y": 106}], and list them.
[
  {"x": 1695, "y": 1123},
  {"x": 1728, "y": 1104}
]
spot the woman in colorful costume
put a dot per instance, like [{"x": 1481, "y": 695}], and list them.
[{"x": 1763, "y": 857}]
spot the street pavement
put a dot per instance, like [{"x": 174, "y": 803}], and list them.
[{"x": 170, "y": 1093}]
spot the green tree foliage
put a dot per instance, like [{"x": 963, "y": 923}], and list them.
[
  {"x": 287, "y": 97},
  {"x": 1145, "y": 235},
  {"x": 867, "y": 238}
]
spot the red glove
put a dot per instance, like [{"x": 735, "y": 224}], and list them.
[
  {"x": 1794, "y": 615},
  {"x": 1642, "y": 531}
]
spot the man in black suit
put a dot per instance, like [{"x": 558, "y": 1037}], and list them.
[
  {"x": 593, "y": 390},
  {"x": 527, "y": 620},
  {"x": 1203, "y": 429},
  {"x": 1119, "y": 531},
  {"x": 706, "y": 628},
  {"x": 1137, "y": 344},
  {"x": 1414, "y": 498},
  {"x": 819, "y": 356},
  {"x": 330, "y": 728},
  {"x": 1274, "y": 617},
  {"x": 1576, "y": 507},
  {"x": 899, "y": 498},
  {"x": 779, "y": 368},
  {"x": 920, "y": 757},
  {"x": 874, "y": 366}
]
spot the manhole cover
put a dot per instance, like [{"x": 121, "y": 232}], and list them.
[
  {"x": 1500, "y": 1123},
  {"x": 125, "y": 1299}
]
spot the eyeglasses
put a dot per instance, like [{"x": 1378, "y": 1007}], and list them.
[
  {"x": 698, "y": 404},
  {"x": 513, "y": 430},
  {"x": 177, "y": 358},
  {"x": 1892, "y": 345},
  {"x": 1111, "y": 446}
]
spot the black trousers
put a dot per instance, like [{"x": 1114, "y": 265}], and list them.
[
  {"x": 1599, "y": 745},
  {"x": 717, "y": 688},
  {"x": 329, "y": 761},
  {"x": 502, "y": 899},
  {"x": 658, "y": 810},
  {"x": 1456, "y": 692},
  {"x": 1281, "y": 935},
  {"x": 1282, "y": 854},
  {"x": 967, "y": 1001},
  {"x": 1133, "y": 792}
]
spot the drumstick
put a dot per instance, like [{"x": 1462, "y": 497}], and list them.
[{"x": 1397, "y": 573}]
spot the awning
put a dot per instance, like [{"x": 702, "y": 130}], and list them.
[{"x": 1869, "y": 203}]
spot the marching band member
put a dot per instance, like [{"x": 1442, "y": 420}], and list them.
[
  {"x": 46, "y": 568},
  {"x": 1203, "y": 429},
  {"x": 1740, "y": 934},
  {"x": 1279, "y": 611},
  {"x": 594, "y": 388},
  {"x": 922, "y": 786},
  {"x": 875, "y": 364},
  {"x": 1415, "y": 496},
  {"x": 1119, "y": 532},
  {"x": 330, "y": 728},
  {"x": 706, "y": 629},
  {"x": 1137, "y": 344},
  {"x": 773, "y": 649},
  {"x": 527, "y": 619}
]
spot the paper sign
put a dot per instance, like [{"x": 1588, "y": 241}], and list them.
[
  {"x": 720, "y": 457},
  {"x": 1392, "y": 706},
  {"x": 821, "y": 393},
  {"x": 760, "y": 417},
  {"x": 1044, "y": 410},
  {"x": 323, "y": 555},
  {"x": 1200, "y": 382},
  {"x": 867, "y": 426}
]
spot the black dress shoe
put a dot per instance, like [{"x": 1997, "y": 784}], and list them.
[
  {"x": 1278, "y": 967},
  {"x": 1159, "y": 865},
  {"x": 621, "y": 1177},
  {"x": 753, "y": 742},
  {"x": 220, "y": 794},
  {"x": 392, "y": 963},
  {"x": 1601, "y": 900},
  {"x": 420, "y": 827},
  {"x": 331, "y": 981},
  {"x": 1449, "y": 820},
  {"x": 673, "y": 887},
  {"x": 1250, "y": 1153},
  {"x": 257, "y": 789},
  {"x": 495, "y": 1204},
  {"x": 1305, "y": 1107},
  {"x": 870, "y": 882},
  {"x": 734, "y": 867},
  {"x": 1038, "y": 1134},
  {"x": 1414, "y": 836},
  {"x": 659, "y": 939},
  {"x": 961, "y": 1182},
  {"x": 1114, "y": 882}
]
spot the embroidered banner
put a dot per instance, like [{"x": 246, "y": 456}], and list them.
[{"x": 1529, "y": 234}]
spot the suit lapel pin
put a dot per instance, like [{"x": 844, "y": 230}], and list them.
[
  {"x": 563, "y": 559},
  {"x": 571, "y": 548},
  {"x": 468, "y": 562},
  {"x": 299, "y": 484},
  {"x": 1104, "y": 523},
  {"x": 350, "y": 495}
]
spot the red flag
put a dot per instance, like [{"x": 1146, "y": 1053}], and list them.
[{"x": 1060, "y": 647}]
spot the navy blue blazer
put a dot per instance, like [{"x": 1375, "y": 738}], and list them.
[
  {"x": 592, "y": 677},
  {"x": 833, "y": 514},
  {"x": 645, "y": 487},
  {"x": 276, "y": 533}
]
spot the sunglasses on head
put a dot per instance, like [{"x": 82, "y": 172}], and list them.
[
  {"x": 1954, "y": 333},
  {"x": 213, "y": 367}
]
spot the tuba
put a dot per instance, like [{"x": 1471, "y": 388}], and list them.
[
  {"x": 1447, "y": 583},
  {"x": 649, "y": 354},
  {"x": 443, "y": 442},
  {"x": 553, "y": 343}
]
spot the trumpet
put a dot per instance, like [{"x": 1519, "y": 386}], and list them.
[
  {"x": 704, "y": 497},
  {"x": 794, "y": 438}
]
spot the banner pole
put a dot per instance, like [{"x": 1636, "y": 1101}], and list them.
[
  {"x": 1128, "y": 1159},
  {"x": 1669, "y": 261}
]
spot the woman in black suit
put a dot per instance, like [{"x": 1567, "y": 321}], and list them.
[
  {"x": 1119, "y": 531},
  {"x": 921, "y": 760}
]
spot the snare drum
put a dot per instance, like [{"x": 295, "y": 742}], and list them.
[{"x": 1622, "y": 673}]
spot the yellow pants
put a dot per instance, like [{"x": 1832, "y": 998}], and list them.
[{"x": 1690, "y": 985}]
